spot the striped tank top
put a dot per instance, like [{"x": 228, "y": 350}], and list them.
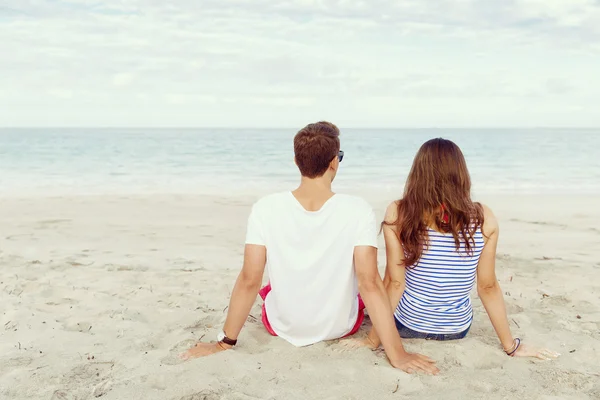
[{"x": 437, "y": 296}]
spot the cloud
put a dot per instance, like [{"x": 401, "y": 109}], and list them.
[
  {"x": 100, "y": 62},
  {"x": 559, "y": 87},
  {"x": 122, "y": 79}
]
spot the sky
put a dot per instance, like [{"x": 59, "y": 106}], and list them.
[{"x": 269, "y": 63}]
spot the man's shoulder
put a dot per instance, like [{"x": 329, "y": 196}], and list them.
[
  {"x": 270, "y": 200},
  {"x": 355, "y": 203}
]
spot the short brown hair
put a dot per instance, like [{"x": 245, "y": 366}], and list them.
[{"x": 315, "y": 146}]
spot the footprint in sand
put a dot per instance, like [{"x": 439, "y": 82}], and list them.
[
  {"x": 514, "y": 308},
  {"x": 85, "y": 381},
  {"x": 61, "y": 395},
  {"x": 53, "y": 221},
  {"x": 209, "y": 321},
  {"x": 174, "y": 354},
  {"x": 75, "y": 263},
  {"x": 102, "y": 388},
  {"x": 65, "y": 301},
  {"x": 487, "y": 358},
  {"x": 556, "y": 300},
  {"x": 261, "y": 336},
  {"x": 132, "y": 268},
  {"x": 93, "y": 374},
  {"x": 20, "y": 236},
  {"x": 241, "y": 396},
  {"x": 126, "y": 315},
  {"x": 203, "y": 395},
  {"x": 147, "y": 344},
  {"x": 481, "y": 386},
  {"x": 83, "y": 327},
  {"x": 18, "y": 362},
  {"x": 583, "y": 383}
]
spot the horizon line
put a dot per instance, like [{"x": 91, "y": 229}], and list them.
[{"x": 296, "y": 127}]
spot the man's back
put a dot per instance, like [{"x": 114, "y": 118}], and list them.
[
  {"x": 310, "y": 263},
  {"x": 318, "y": 247}
]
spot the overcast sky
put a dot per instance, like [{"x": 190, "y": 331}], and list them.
[{"x": 268, "y": 63}]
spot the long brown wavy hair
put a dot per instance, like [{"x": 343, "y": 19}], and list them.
[{"x": 438, "y": 190}]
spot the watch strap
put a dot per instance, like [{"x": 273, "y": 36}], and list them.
[{"x": 230, "y": 342}]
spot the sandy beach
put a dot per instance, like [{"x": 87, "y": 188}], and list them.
[{"x": 99, "y": 295}]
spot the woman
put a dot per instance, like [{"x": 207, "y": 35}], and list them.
[{"x": 437, "y": 242}]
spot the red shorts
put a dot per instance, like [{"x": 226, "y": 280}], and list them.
[{"x": 265, "y": 320}]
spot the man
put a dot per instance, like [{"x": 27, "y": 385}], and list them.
[{"x": 320, "y": 250}]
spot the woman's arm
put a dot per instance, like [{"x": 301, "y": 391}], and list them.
[
  {"x": 488, "y": 287},
  {"x": 491, "y": 296}
]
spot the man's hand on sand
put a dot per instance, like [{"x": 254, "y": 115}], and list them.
[
  {"x": 203, "y": 350},
  {"x": 413, "y": 362},
  {"x": 410, "y": 363}
]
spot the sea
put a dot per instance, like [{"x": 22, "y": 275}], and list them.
[{"x": 79, "y": 161}]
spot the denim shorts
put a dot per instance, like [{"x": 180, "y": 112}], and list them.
[{"x": 407, "y": 333}]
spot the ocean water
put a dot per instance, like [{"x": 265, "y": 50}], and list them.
[{"x": 99, "y": 161}]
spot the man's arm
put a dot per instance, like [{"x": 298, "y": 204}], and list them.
[
  {"x": 246, "y": 289},
  {"x": 374, "y": 295},
  {"x": 395, "y": 273},
  {"x": 243, "y": 296}
]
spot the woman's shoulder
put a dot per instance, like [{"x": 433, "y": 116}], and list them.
[
  {"x": 490, "y": 223},
  {"x": 487, "y": 211},
  {"x": 391, "y": 213}
]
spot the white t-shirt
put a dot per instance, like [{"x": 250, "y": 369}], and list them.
[{"x": 310, "y": 262}]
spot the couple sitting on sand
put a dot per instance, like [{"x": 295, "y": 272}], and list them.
[{"x": 320, "y": 250}]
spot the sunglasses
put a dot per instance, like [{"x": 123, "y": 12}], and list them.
[{"x": 341, "y": 155}]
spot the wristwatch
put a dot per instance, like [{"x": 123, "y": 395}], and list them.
[{"x": 222, "y": 338}]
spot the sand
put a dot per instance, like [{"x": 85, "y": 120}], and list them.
[{"x": 100, "y": 294}]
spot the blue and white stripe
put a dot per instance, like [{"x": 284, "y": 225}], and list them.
[{"x": 437, "y": 295}]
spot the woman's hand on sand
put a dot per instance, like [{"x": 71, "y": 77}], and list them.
[
  {"x": 542, "y": 354},
  {"x": 356, "y": 343},
  {"x": 413, "y": 362},
  {"x": 203, "y": 350}
]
